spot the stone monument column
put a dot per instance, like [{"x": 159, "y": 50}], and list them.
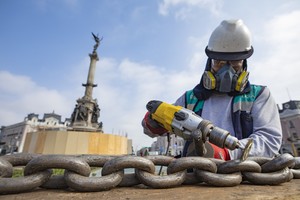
[
  {"x": 90, "y": 80},
  {"x": 86, "y": 113}
]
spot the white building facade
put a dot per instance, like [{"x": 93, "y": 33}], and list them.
[
  {"x": 175, "y": 148},
  {"x": 12, "y": 137},
  {"x": 290, "y": 123}
]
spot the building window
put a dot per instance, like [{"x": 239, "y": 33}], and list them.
[{"x": 291, "y": 124}]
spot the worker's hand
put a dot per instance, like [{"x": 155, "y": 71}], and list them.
[
  {"x": 220, "y": 153},
  {"x": 153, "y": 126}
]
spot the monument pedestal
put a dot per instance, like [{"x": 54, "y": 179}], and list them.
[{"x": 76, "y": 143}]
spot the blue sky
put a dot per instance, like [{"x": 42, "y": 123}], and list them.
[{"x": 150, "y": 50}]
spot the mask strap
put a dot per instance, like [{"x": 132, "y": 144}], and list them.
[
  {"x": 245, "y": 65},
  {"x": 208, "y": 64}
]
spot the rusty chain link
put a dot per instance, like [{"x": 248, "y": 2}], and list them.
[{"x": 181, "y": 171}]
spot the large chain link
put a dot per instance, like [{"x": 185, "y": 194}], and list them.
[{"x": 181, "y": 171}]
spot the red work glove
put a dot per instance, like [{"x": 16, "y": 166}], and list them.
[
  {"x": 220, "y": 153},
  {"x": 153, "y": 126}
]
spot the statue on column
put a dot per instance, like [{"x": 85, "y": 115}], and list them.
[
  {"x": 97, "y": 40},
  {"x": 86, "y": 112}
]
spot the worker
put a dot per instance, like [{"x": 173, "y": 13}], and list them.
[{"x": 225, "y": 97}]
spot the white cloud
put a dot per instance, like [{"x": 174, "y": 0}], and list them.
[
  {"x": 14, "y": 84},
  {"x": 198, "y": 57},
  {"x": 184, "y": 7},
  {"x": 21, "y": 96},
  {"x": 279, "y": 69},
  {"x": 125, "y": 87}
]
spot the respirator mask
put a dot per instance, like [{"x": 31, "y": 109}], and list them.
[{"x": 226, "y": 79}]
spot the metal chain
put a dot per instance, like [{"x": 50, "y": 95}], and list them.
[{"x": 181, "y": 171}]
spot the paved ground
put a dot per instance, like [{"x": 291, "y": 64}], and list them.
[{"x": 286, "y": 191}]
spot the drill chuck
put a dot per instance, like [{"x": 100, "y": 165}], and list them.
[{"x": 223, "y": 139}]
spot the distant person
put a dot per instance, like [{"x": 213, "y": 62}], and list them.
[
  {"x": 178, "y": 155},
  {"x": 146, "y": 152},
  {"x": 225, "y": 96}
]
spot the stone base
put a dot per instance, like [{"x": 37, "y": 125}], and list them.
[
  {"x": 83, "y": 126},
  {"x": 76, "y": 142}
]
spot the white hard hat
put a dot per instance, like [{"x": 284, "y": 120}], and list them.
[{"x": 231, "y": 40}]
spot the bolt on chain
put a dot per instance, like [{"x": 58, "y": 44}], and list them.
[{"x": 181, "y": 171}]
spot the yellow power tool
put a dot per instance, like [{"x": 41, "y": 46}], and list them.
[{"x": 188, "y": 125}]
